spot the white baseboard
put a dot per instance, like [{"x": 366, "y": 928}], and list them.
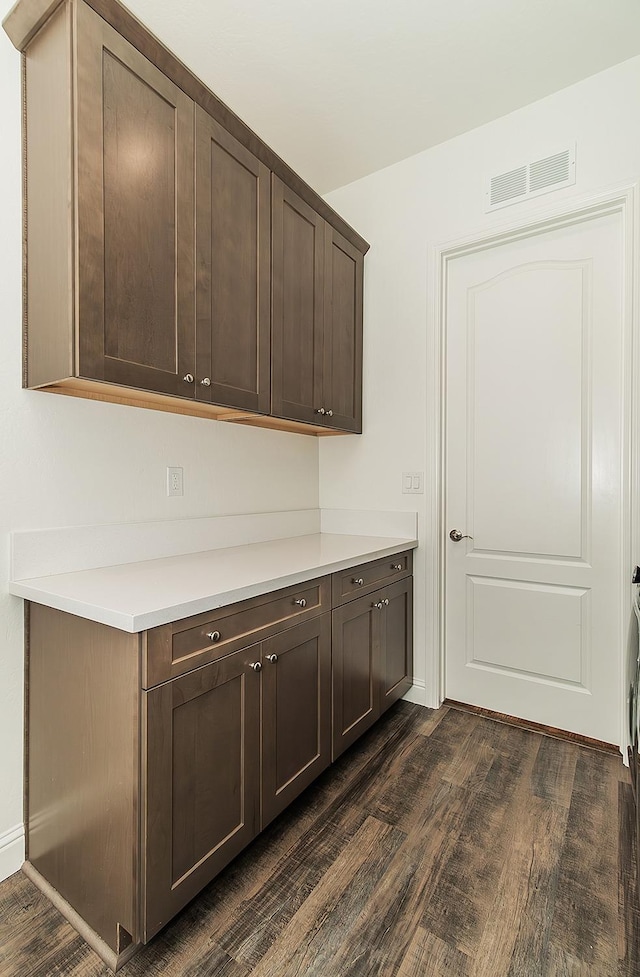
[
  {"x": 11, "y": 851},
  {"x": 417, "y": 693}
]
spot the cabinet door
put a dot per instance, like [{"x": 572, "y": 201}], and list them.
[
  {"x": 296, "y": 708},
  {"x": 343, "y": 284},
  {"x": 297, "y": 324},
  {"x": 357, "y": 633},
  {"x": 233, "y": 303},
  {"x": 135, "y": 147},
  {"x": 396, "y": 660},
  {"x": 202, "y": 762}
]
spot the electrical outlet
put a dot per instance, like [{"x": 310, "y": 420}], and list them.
[
  {"x": 175, "y": 484},
  {"x": 412, "y": 483}
]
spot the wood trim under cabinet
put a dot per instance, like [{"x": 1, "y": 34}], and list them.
[
  {"x": 131, "y": 397},
  {"x": 25, "y": 18}
]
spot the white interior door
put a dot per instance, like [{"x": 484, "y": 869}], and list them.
[{"x": 534, "y": 474}]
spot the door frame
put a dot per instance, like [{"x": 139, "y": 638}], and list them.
[{"x": 625, "y": 201}]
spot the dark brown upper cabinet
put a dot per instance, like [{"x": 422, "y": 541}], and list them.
[
  {"x": 233, "y": 208},
  {"x": 317, "y": 317},
  {"x": 135, "y": 216},
  {"x": 172, "y": 260}
]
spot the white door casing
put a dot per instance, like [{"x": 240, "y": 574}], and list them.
[{"x": 535, "y": 465}]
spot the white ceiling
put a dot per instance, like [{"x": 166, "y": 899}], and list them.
[{"x": 341, "y": 88}]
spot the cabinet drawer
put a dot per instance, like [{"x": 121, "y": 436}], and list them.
[
  {"x": 176, "y": 648},
  {"x": 348, "y": 584}
]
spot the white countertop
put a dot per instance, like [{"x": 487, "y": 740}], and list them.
[{"x": 137, "y": 596}]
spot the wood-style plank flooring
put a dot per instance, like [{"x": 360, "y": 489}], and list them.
[{"x": 441, "y": 845}]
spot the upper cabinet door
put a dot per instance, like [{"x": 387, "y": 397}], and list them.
[
  {"x": 297, "y": 323},
  {"x": 343, "y": 284},
  {"x": 135, "y": 189},
  {"x": 233, "y": 246}
]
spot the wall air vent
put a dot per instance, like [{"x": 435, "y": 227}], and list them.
[{"x": 532, "y": 179}]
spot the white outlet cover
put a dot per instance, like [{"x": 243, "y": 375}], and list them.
[{"x": 175, "y": 482}]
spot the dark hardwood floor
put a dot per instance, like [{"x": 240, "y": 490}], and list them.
[{"x": 442, "y": 844}]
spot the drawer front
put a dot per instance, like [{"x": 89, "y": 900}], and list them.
[
  {"x": 349, "y": 584},
  {"x": 176, "y": 648}
]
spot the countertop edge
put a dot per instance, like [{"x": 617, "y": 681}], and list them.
[{"x": 135, "y": 623}]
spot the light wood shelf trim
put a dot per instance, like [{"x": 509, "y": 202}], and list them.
[{"x": 131, "y": 397}]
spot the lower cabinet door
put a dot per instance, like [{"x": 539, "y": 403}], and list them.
[
  {"x": 202, "y": 756},
  {"x": 396, "y": 660},
  {"x": 296, "y": 709},
  {"x": 357, "y": 632}
]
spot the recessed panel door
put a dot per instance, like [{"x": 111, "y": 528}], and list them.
[
  {"x": 233, "y": 234},
  {"x": 343, "y": 271},
  {"x": 534, "y": 474},
  {"x": 396, "y": 664},
  {"x": 296, "y": 710},
  {"x": 298, "y": 301},
  {"x": 135, "y": 190},
  {"x": 357, "y": 634},
  {"x": 202, "y": 758}
]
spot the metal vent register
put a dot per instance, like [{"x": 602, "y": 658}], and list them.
[{"x": 532, "y": 179}]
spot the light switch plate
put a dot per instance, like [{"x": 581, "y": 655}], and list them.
[{"x": 412, "y": 483}]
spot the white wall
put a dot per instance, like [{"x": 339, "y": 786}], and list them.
[
  {"x": 405, "y": 211},
  {"x": 73, "y": 462}
]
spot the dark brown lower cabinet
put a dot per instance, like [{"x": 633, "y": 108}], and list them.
[
  {"x": 170, "y": 773},
  {"x": 372, "y": 659},
  {"x": 206, "y": 747},
  {"x": 203, "y": 780},
  {"x": 296, "y": 712}
]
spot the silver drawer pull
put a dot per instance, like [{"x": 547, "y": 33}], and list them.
[
  {"x": 272, "y": 658},
  {"x": 256, "y": 666},
  {"x": 213, "y": 635},
  {"x": 358, "y": 581},
  {"x": 397, "y": 566},
  {"x": 300, "y": 601}
]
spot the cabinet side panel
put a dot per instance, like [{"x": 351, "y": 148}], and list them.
[
  {"x": 83, "y": 766},
  {"x": 48, "y": 202}
]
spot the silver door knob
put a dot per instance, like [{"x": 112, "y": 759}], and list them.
[
  {"x": 300, "y": 601},
  {"x": 205, "y": 382},
  {"x": 272, "y": 658},
  {"x": 188, "y": 378},
  {"x": 213, "y": 635},
  {"x": 320, "y": 410},
  {"x": 256, "y": 666},
  {"x": 358, "y": 581},
  {"x": 456, "y": 535}
]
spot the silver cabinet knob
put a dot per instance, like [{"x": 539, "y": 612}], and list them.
[
  {"x": 213, "y": 635},
  {"x": 456, "y": 535},
  {"x": 358, "y": 581},
  {"x": 378, "y": 605},
  {"x": 272, "y": 658},
  {"x": 188, "y": 378},
  {"x": 320, "y": 410},
  {"x": 256, "y": 666},
  {"x": 205, "y": 382},
  {"x": 329, "y": 413},
  {"x": 386, "y": 602},
  {"x": 300, "y": 601},
  {"x": 396, "y": 566}
]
